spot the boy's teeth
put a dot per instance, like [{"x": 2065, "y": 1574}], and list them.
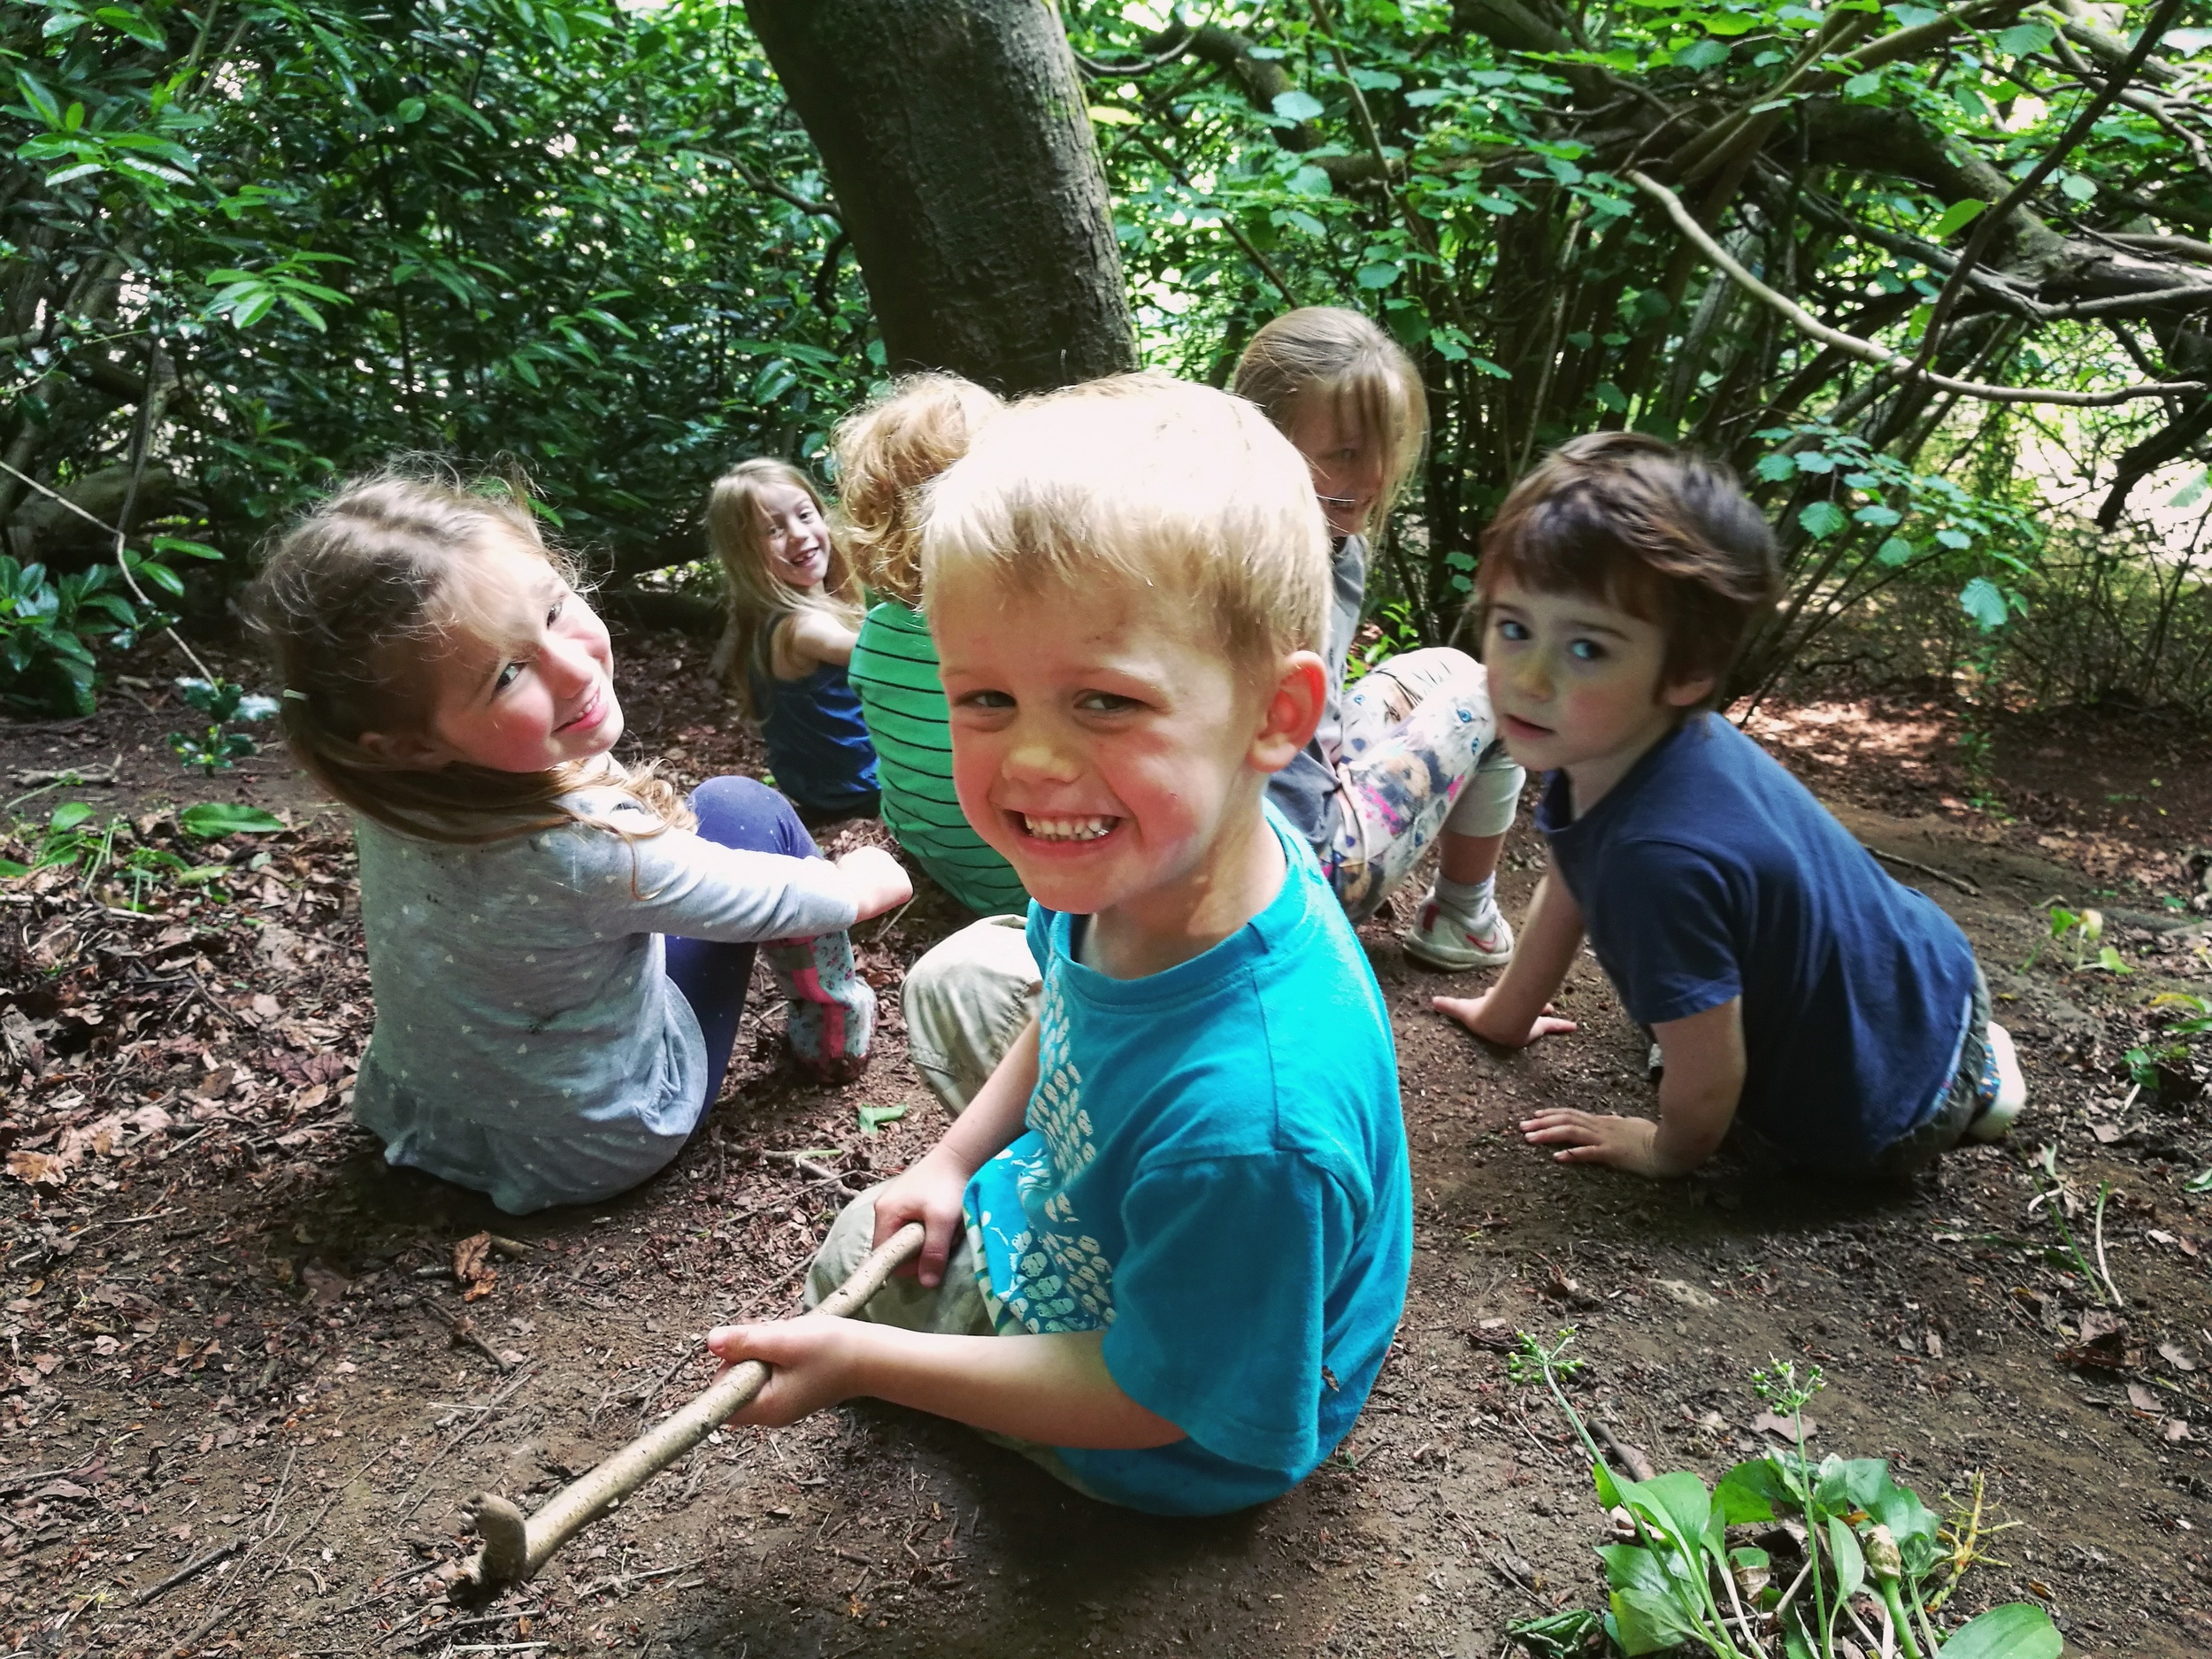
[{"x": 1068, "y": 829}]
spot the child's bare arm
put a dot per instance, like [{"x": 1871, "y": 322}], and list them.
[
  {"x": 880, "y": 882},
  {"x": 1697, "y": 1101},
  {"x": 931, "y": 1189},
  {"x": 813, "y": 637},
  {"x": 1516, "y": 1010},
  {"x": 1052, "y": 1389}
]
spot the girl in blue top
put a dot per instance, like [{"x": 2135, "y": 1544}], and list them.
[
  {"x": 794, "y": 615},
  {"x": 558, "y": 947}
]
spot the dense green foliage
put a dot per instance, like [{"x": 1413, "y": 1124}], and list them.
[{"x": 284, "y": 241}]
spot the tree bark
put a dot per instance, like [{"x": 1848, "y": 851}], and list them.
[{"x": 956, "y": 138}]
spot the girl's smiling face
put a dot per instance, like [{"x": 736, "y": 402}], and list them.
[
  {"x": 794, "y": 539},
  {"x": 527, "y": 681},
  {"x": 1577, "y": 684}
]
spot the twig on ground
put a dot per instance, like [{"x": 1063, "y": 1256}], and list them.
[
  {"x": 2104, "y": 1190},
  {"x": 1637, "y": 1465},
  {"x": 1917, "y": 868},
  {"x": 619, "y": 1579},
  {"x": 191, "y": 1568},
  {"x": 691, "y": 1350},
  {"x": 463, "y": 1329}
]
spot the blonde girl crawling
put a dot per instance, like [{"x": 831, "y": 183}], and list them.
[
  {"x": 559, "y": 947},
  {"x": 794, "y": 616},
  {"x": 1410, "y": 755}
]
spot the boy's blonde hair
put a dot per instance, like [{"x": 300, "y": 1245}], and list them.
[
  {"x": 888, "y": 455},
  {"x": 759, "y": 599},
  {"x": 1145, "y": 479},
  {"x": 355, "y": 606},
  {"x": 1327, "y": 352}
]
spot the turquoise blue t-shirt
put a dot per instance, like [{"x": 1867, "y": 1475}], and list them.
[{"x": 1214, "y": 1172}]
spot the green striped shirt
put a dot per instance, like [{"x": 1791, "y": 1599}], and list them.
[{"x": 895, "y": 670}]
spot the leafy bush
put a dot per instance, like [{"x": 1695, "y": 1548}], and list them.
[{"x": 50, "y": 624}]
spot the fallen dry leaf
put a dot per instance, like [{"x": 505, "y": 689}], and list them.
[
  {"x": 37, "y": 1169},
  {"x": 1767, "y": 1423},
  {"x": 2173, "y": 1355},
  {"x": 2142, "y": 1399},
  {"x": 473, "y": 1266}
]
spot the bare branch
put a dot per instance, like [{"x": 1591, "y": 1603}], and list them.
[
  {"x": 1992, "y": 218},
  {"x": 1873, "y": 351}
]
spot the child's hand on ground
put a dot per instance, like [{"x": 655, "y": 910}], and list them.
[
  {"x": 808, "y": 1359},
  {"x": 929, "y": 1191},
  {"x": 881, "y": 883},
  {"x": 1480, "y": 1014},
  {"x": 1621, "y": 1143}
]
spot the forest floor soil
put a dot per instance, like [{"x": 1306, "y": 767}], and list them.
[{"x": 236, "y": 1338}]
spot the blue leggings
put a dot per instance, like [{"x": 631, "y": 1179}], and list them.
[{"x": 713, "y": 976}]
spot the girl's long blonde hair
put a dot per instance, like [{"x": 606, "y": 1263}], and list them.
[
  {"x": 355, "y": 607},
  {"x": 1329, "y": 352},
  {"x": 887, "y": 455},
  {"x": 758, "y": 599}
]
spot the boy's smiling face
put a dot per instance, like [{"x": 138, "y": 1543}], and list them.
[
  {"x": 1578, "y": 685},
  {"x": 1105, "y": 743}
]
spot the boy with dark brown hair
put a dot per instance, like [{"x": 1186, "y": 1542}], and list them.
[{"x": 1831, "y": 1019}]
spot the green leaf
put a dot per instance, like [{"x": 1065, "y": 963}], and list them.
[
  {"x": 1651, "y": 1609},
  {"x": 131, "y": 21},
  {"x": 1753, "y": 1490},
  {"x": 1702, "y": 55},
  {"x": 9, "y": 869},
  {"x": 1981, "y": 600},
  {"x": 1677, "y": 1501},
  {"x": 1296, "y": 105},
  {"x": 1729, "y": 23},
  {"x": 1877, "y": 515},
  {"x": 1850, "y": 1562},
  {"x": 2018, "y": 1630},
  {"x": 1777, "y": 467},
  {"x": 2024, "y": 38},
  {"x": 2075, "y": 188},
  {"x": 1821, "y": 519},
  {"x": 1815, "y": 461},
  {"x": 1954, "y": 537},
  {"x": 67, "y": 816},
  {"x": 873, "y": 1118},
  {"x": 1957, "y": 218},
  {"x": 190, "y": 549},
  {"x": 43, "y": 103},
  {"x": 1910, "y": 16},
  {"x": 212, "y": 819},
  {"x": 1893, "y": 552},
  {"x": 1610, "y": 396},
  {"x": 1379, "y": 275}
]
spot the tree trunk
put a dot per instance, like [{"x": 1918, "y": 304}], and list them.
[{"x": 956, "y": 138}]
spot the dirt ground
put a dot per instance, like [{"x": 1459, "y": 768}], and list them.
[{"x": 245, "y": 1395}]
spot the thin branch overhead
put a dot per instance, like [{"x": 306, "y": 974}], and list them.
[{"x": 1874, "y": 351}]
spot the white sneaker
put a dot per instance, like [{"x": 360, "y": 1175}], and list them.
[
  {"x": 2012, "y": 1090},
  {"x": 1442, "y": 939}
]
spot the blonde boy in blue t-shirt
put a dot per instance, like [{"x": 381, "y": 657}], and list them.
[{"x": 1169, "y": 1236}]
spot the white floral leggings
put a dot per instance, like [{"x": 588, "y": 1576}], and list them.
[{"x": 1419, "y": 753}]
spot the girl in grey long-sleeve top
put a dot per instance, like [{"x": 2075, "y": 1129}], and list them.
[{"x": 559, "y": 949}]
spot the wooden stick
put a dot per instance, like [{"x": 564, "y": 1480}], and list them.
[
  {"x": 1917, "y": 868},
  {"x": 516, "y": 1547}
]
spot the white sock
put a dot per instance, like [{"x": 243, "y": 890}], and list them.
[{"x": 1468, "y": 899}]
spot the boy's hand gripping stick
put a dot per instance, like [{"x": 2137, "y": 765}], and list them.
[{"x": 515, "y": 1546}]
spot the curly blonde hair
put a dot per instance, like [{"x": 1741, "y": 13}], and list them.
[
  {"x": 887, "y": 455},
  {"x": 759, "y": 599},
  {"x": 352, "y": 607}
]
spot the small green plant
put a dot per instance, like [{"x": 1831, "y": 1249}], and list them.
[
  {"x": 50, "y": 624},
  {"x": 2080, "y": 933},
  {"x": 1396, "y": 632},
  {"x": 75, "y": 837},
  {"x": 1864, "y": 1535},
  {"x": 217, "y": 748}
]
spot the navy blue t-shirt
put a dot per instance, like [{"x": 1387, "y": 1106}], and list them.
[{"x": 1709, "y": 873}]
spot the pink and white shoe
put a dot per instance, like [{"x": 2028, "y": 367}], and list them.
[
  {"x": 1444, "y": 939},
  {"x": 831, "y": 1016}
]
